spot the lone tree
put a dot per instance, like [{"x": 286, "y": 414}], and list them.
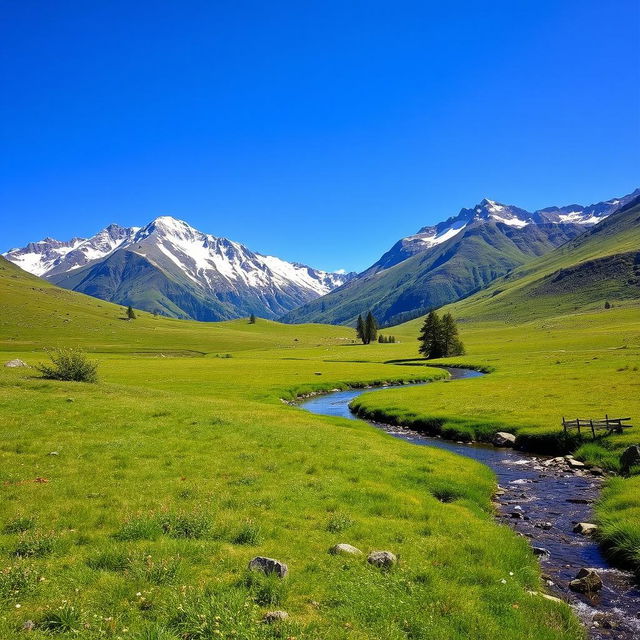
[
  {"x": 451, "y": 343},
  {"x": 439, "y": 337},
  {"x": 252, "y": 318},
  {"x": 370, "y": 328},
  {"x": 131, "y": 314},
  {"x": 430, "y": 337}
]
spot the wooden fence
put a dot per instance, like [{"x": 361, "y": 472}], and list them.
[{"x": 610, "y": 425}]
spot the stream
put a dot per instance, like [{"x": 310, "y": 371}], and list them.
[{"x": 542, "y": 499}]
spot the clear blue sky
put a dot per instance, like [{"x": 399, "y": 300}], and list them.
[{"x": 316, "y": 131}]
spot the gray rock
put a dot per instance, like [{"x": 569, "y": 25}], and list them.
[
  {"x": 16, "y": 363},
  {"x": 630, "y": 458},
  {"x": 28, "y": 625},
  {"x": 383, "y": 559},
  {"x": 345, "y": 549},
  {"x": 587, "y": 581},
  {"x": 585, "y": 528},
  {"x": 539, "y": 551},
  {"x": 504, "y": 439},
  {"x": 575, "y": 464},
  {"x": 268, "y": 566},
  {"x": 274, "y": 616}
]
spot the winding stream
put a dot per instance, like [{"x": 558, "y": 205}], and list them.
[{"x": 539, "y": 502}]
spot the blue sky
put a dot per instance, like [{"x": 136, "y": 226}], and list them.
[{"x": 316, "y": 131}]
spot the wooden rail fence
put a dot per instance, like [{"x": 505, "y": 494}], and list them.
[{"x": 610, "y": 425}]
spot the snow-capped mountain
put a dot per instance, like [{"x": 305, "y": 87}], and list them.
[
  {"x": 169, "y": 267},
  {"x": 492, "y": 211},
  {"x": 447, "y": 261}
]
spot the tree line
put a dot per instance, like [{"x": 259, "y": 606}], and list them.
[{"x": 439, "y": 337}]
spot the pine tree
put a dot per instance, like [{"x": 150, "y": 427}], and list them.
[
  {"x": 360, "y": 330},
  {"x": 451, "y": 343},
  {"x": 131, "y": 314},
  {"x": 252, "y": 319},
  {"x": 430, "y": 337},
  {"x": 370, "y": 328}
]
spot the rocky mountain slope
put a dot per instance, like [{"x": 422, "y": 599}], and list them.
[{"x": 168, "y": 267}]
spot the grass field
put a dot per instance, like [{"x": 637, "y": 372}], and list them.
[{"x": 132, "y": 507}]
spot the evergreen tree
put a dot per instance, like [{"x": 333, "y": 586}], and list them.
[
  {"x": 252, "y": 319},
  {"x": 430, "y": 337},
  {"x": 451, "y": 343},
  {"x": 607, "y": 305},
  {"x": 370, "y": 328},
  {"x": 131, "y": 314},
  {"x": 381, "y": 339},
  {"x": 360, "y": 330}
]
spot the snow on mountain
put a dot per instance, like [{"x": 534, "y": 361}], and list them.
[
  {"x": 50, "y": 256},
  {"x": 205, "y": 264},
  {"x": 491, "y": 211}
]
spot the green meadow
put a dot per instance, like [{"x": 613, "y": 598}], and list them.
[{"x": 132, "y": 507}]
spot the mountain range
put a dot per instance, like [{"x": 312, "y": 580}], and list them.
[
  {"x": 170, "y": 268},
  {"x": 453, "y": 259}
]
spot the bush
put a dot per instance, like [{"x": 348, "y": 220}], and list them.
[
  {"x": 249, "y": 534},
  {"x": 69, "y": 365}
]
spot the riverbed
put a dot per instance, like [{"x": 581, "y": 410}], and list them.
[{"x": 543, "y": 501}]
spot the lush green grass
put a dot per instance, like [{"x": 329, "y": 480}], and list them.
[{"x": 131, "y": 507}]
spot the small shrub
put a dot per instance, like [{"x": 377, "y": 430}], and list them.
[
  {"x": 158, "y": 572},
  {"x": 267, "y": 591},
  {"x": 193, "y": 526},
  {"x": 339, "y": 523},
  {"x": 69, "y": 365},
  {"x": 109, "y": 560},
  {"x": 19, "y": 525},
  {"x": 35, "y": 546},
  {"x": 17, "y": 579},
  {"x": 249, "y": 534},
  {"x": 445, "y": 494},
  {"x": 139, "y": 529},
  {"x": 64, "y": 619}
]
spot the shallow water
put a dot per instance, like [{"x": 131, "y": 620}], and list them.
[{"x": 536, "y": 504}]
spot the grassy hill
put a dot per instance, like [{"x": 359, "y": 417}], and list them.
[{"x": 131, "y": 508}]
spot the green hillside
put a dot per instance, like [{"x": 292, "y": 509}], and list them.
[
  {"x": 464, "y": 264},
  {"x": 600, "y": 265},
  {"x": 131, "y": 508}
]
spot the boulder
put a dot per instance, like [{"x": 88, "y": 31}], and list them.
[
  {"x": 630, "y": 458},
  {"x": 268, "y": 566},
  {"x": 16, "y": 363},
  {"x": 587, "y": 581},
  {"x": 504, "y": 439},
  {"x": 585, "y": 528},
  {"x": 575, "y": 464},
  {"x": 383, "y": 559},
  {"x": 274, "y": 616},
  {"x": 540, "y": 551},
  {"x": 345, "y": 549}
]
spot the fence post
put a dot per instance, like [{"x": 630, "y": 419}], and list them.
[
  {"x": 578, "y": 423},
  {"x": 593, "y": 431}
]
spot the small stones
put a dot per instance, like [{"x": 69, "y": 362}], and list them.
[
  {"x": 504, "y": 439},
  {"x": 585, "y": 528},
  {"x": 28, "y": 625},
  {"x": 268, "y": 566},
  {"x": 274, "y": 616},
  {"x": 543, "y": 525},
  {"x": 382, "y": 559},
  {"x": 13, "y": 364},
  {"x": 345, "y": 549},
  {"x": 53, "y": 453},
  {"x": 604, "y": 621},
  {"x": 587, "y": 581}
]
